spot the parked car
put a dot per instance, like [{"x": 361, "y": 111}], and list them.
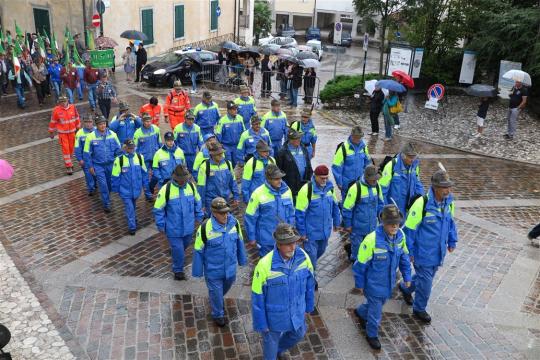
[
  {"x": 169, "y": 67},
  {"x": 313, "y": 33},
  {"x": 286, "y": 30},
  {"x": 279, "y": 40},
  {"x": 346, "y": 38},
  {"x": 316, "y": 47}
]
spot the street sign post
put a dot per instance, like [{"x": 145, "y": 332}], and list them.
[
  {"x": 96, "y": 20},
  {"x": 366, "y": 42},
  {"x": 337, "y": 33},
  {"x": 434, "y": 93},
  {"x": 100, "y": 7}
]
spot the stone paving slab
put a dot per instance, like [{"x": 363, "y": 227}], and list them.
[
  {"x": 532, "y": 301},
  {"x": 519, "y": 218},
  {"x": 403, "y": 337},
  {"x": 57, "y": 226},
  {"x": 140, "y": 325}
]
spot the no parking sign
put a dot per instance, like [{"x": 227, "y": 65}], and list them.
[{"x": 434, "y": 93}]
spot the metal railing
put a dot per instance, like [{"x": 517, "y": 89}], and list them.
[
  {"x": 268, "y": 84},
  {"x": 210, "y": 43}
]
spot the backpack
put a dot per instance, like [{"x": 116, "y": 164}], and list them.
[
  {"x": 344, "y": 152},
  {"x": 386, "y": 160},
  {"x": 310, "y": 191},
  {"x": 359, "y": 192},
  {"x": 208, "y": 166},
  {"x": 410, "y": 204},
  {"x": 122, "y": 160},
  {"x": 204, "y": 236},
  {"x": 168, "y": 191},
  {"x": 254, "y": 164}
]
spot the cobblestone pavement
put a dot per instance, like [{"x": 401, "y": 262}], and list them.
[{"x": 78, "y": 284}]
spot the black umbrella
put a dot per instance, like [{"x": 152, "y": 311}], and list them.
[
  {"x": 134, "y": 35},
  {"x": 196, "y": 58},
  {"x": 481, "y": 90},
  {"x": 289, "y": 58},
  {"x": 229, "y": 45},
  {"x": 307, "y": 55},
  {"x": 270, "y": 49},
  {"x": 251, "y": 51}
]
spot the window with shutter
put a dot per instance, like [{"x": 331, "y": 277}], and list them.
[
  {"x": 178, "y": 21},
  {"x": 213, "y": 15},
  {"x": 147, "y": 25}
]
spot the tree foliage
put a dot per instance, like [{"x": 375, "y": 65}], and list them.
[{"x": 262, "y": 18}]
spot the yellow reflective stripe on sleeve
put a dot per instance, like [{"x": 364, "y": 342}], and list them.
[
  {"x": 414, "y": 216},
  {"x": 366, "y": 248},
  {"x": 262, "y": 270},
  {"x": 248, "y": 169},
  {"x": 307, "y": 261},
  {"x": 302, "y": 201},
  {"x": 116, "y": 166},
  {"x": 350, "y": 199},
  {"x": 160, "y": 200},
  {"x": 199, "y": 244},
  {"x": 253, "y": 203}
]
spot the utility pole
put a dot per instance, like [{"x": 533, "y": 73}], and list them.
[
  {"x": 84, "y": 22},
  {"x": 314, "y": 19}
]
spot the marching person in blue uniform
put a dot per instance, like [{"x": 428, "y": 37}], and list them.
[
  {"x": 253, "y": 174},
  {"x": 147, "y": 140},
  {"x": 219, "y": 247},
  {"x": 246, "y": 105},
  {"x": 178, "y": 211},
  {"x": 380, "y": 255},
  {"x": 400, "y": 179},
  {"x": 204, "y": 154},
  {"x": 129, "y": 178},
  {"x": 166, "y": 159},
  {"x": 249, "y": 139},
  {"x": 125, "y": 123},
  {"x": 269, "y": 205},
  {"x": 431, "y": 233},
  {"x": 317, "y": 213},
  {"x": 228, "y": 131},
  {"x": 188, "y": 138},
  {"x": 206, "y": 114},
  {"x": 350, "y": 160},
  {"x": 80, "y": 139},
  {"x": 293, "y": 158},
  {"x": 282, "y": 293},
  {"x": 216, "y": 179},
  {"x": 309, "y": 134},
  {"x": 100, "y": 149},
  {"x": 361, "y": 208},
  {"x": 275, "y": 121}
]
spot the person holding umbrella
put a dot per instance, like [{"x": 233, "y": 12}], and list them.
[
  {"x": 484, "y": 92},
  {"x": 518, "y": 100},
  {"x": 266, "y": 68}
]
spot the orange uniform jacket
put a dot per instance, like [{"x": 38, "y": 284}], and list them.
[
  {"x": 176, "y": 106},
  {"x": 64, "y": 120},
  {"x": 153, "y": 111}
]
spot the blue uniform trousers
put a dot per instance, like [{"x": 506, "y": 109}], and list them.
[
  {"x": 178, "y": 246},
  {"x": 276, "y": 146},
  {"x": 315, "y": 249},
  {"x": 208, "y": 130},
  {"x": 371, "y": 312},
  {"x": 89, "y": 178},
  {"x": 217, "y": 289},
  {"x": 130, "y": 209},
  {"x": 103, "y": 177},
  {"x": 230, "y": 153},
  {"x": 356, "y": 240},
  {"x": 422, "y": 282},
  {"x": 277, "y": 342},
  {"x": 190, "y": 159}
]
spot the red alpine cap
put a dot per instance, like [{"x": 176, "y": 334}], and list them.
[{"x": 321, "y": 170}]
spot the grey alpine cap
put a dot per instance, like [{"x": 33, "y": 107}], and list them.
[
  {"x": 371, "y": 173},
  {"x": 357, "y": 131},
  {"x": 272, "y": 171},
  {"x": 409, "y": 149},
  {"x": 390, "y": 215},
  {"x": 294, "y": 135},
  {"x": 285, "y": 234},
  {"x": 181, "y": 172},
  {"x": 441, "y": 179},
  {"x": 262, "y": 146},
  {"x": 219, "y": 205}
]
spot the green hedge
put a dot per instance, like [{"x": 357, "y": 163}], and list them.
[{"x": 343, "y": 86}]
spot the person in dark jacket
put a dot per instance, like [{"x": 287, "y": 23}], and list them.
[
  {"x": 310, "y": 79},
  {"x": 293, "y": 159},
  {"x": 534, "y": 235},
  {"x": 375, "y": 108},
  {"x": 141, "y": 61},
  {"x": 266, "y": 69},
  {"x": 295, "y": 77}
]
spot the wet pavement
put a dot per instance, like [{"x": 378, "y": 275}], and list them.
[{"x": 111, "y": 296}]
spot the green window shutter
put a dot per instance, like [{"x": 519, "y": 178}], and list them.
[
  {"x": 41, "y": 20},
  {"x": 213, "y": 15},
  {"x": 178, "y": 21},
  {"x": 147, "y": 25}
]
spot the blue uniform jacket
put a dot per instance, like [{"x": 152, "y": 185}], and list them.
[
  {"x": 221, "y": 182},
  {"x": 266, "y": 208},
  {"x": 378, "y": 259},
  {"x": 129, "y": 180},
  {"x": 352, "y": 167},
  {"x": 229, "y": 132},
  {"x": 217, "y": 258},
  {"x": 101, "y": 149},
  {"x": 430, "y": 236},
  {"x": 281, "y": 294},
  {"x": 249, "y": 185},
  {"x": 404, "y": 185},
  {"x": 188, "y": 139},
  {"x": 315, "y": 219},
  {"x": 277, "y": 126},
  {"x": 177, "y": 216},
  {"x": 125, "y": 128},
  {"x": 246, "y": 109},
  {"x": 206, "y": 116},
  {"x": 147, "y": 142},
  {"x": 165, "y": 161},
  {"x": 80, "y": 138},
  {"x": 248, "y": 142},
  {"x": 309, "y": 136},
  {"x": 363, "y": 215},
  {"x": 54, "y": 71}
]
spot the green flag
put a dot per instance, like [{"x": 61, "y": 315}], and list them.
[
  {"x": 54, "y": 45},
  {"x": 2, "y": 50},
  {"x": 2, "y": 36},
  {"x": 90, "y": 40},
  {"x": 17, "y": 48},
  {"x": 41, "y": 44},
  {"x": 18, "y": 30}
]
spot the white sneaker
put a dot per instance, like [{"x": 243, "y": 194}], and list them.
[
  {"x": 535, "y": 242},
  {"x": 374, "y": 133},
  {"x": 192, "y": 91},
  {"x": 477, "y": 135},
  {"x": 396, "y": 127},
  {"x": 387, "y": 139}
]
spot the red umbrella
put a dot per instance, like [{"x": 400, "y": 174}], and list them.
[{"x": 403, "y": 78}]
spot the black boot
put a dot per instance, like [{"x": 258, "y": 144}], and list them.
[
  {"x": 374, "y": 343},
  {"x": 423, "y": 316},
  {"x": 221, "y": 322},
  {"x": 406, "y": 297},
  {"x": 179, "y": 276}
]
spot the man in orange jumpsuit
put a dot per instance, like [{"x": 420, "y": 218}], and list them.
[
  {"x": 65, "y": 121},
  {"x": 176, "y": 105},
  {"x": 153, "y": 109}
]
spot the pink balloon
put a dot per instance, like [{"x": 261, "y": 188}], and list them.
[{"x": 6, "y": 170}]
